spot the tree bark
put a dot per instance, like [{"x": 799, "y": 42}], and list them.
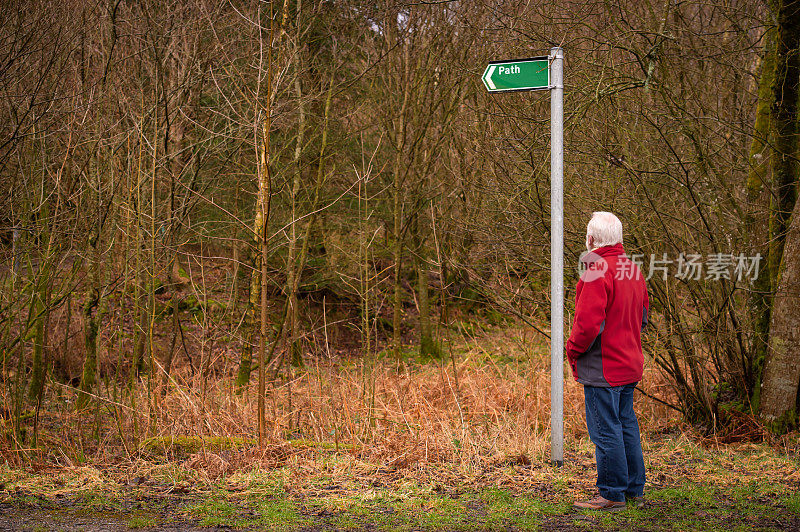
[
  {"x": 90, "y": 325},
  {"x": 427, "y": 344},
  {"x": 397, "y": 181},
  {"x": 42, "y": 311},
  {"x": 784, "y": 123},
  {"x": 782, "y": 369},
  {"x": 756, "y": 223},
  {"x": 293, "y": 270}
]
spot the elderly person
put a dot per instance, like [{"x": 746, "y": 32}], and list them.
[{"x": 605, "y": 352}]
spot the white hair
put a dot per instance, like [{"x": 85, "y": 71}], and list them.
[{"x": 605, "y": 230}]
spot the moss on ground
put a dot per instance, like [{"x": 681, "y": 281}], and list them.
[
  {"x": 689, "y": 507},
  {"x": 758, "y": 506},
  {"x": 690, "y": 487}
]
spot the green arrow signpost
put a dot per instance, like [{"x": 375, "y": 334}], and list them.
[
  {"x": 546, "y": 73},
  {"x": 518, "y": 75}
]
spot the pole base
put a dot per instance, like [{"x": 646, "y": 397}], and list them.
[{"x": 557, "y": 463}]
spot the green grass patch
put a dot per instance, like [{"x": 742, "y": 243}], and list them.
[
  {"x": 214, "y": 510},
  {"x": 693, "y": 495},
  {"x": 141, "y": 521},
  {"x": 273, "y": 513},
  {"x": 416, "y": 507},
  {"x": 98, "y": 501},
  {"x": 792, "y": 503}
]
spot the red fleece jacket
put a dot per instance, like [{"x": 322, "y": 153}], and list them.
[{"x": 611, "y": 306}]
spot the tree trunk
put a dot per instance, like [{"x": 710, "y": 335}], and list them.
[
  {"x": 265, "y": 193},
  {"x": 173, "y": 151},
  {"x": 293, "y": 270},
  {"x": 90, "y": 307},
  {"x": 42, "y": 312},
  {"x": 246, "y": 360},
  {"x": 756, "y": 224},
  {"x": 784, "y": 124},
  {"x": 265, "y": 198},
  {"x": 427, "y": 344},
  {"x": 400, "y": 142},
  {"x": 90, "y": 326},
  {"x": 782, "y": 369}
]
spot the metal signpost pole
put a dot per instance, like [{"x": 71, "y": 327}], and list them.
[
  {"x": 546, "y": 73},
  {"x": 557, "y": 255}
]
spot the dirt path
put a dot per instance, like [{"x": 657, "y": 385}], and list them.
[
  {"x": 690, "y": 487},
  {"x": 43, "y": 520},
  {"x": 70, "y": 515},
  {"x": 174, "y": 514}
]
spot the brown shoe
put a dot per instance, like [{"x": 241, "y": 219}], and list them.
[{"x": 600, "y": 503}]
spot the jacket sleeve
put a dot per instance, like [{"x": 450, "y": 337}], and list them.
[{"x": 590, "y": 314}]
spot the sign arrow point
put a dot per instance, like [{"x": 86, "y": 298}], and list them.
[{"x": 488, "y": 77}]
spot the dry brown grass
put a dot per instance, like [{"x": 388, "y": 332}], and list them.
[
  {"x": 425, "y": 417},
  {"x": 425, "y": 434},
  {"x": 496, "y": 407}
]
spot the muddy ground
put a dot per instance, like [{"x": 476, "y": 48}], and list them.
[{"x": 173, "y": 513}]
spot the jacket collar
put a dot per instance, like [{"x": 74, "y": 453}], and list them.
[{"x": 608, "y": 251}]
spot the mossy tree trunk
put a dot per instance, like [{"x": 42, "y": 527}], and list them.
[
  {"x": 42, "y": 313},
  {"x": 428, "y": 345},
  {"x": 782, "y": 371},
  {"x": 246, "y": 359},
  {"x": 173, "y": 145},
  {"x": 759, "y": 184},
  {"x": 782, "y": 368},
  {"x": 41, "y": 309},
  {"x": 90, "y": 322},
  {"x": 784, "y": 130},
  {"x": 257, "y": 302},
  {"x": 398, "y": 179},
  {"x": 293, "y": 268}
]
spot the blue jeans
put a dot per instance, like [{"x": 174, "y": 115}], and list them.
[{"x": 614, "y": 430}]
